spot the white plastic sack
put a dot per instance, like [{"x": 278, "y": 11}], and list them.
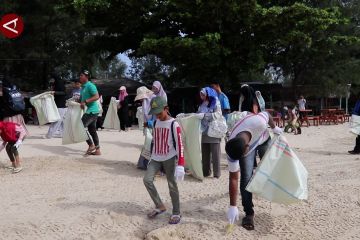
[
  {"x": 233, "y": 118},
  {"x": 74, "y": 130},
  {"x": 140, "y": 117},
  {"x": 111, "y": 119},
  {"x": 355, "y": 124},
  {"x": 191, "y": 135},
  {"x": 217, "y": 128},
  {"x": 280, "y": 177},
  {"x": 146, "y": 150},
  {"x": 45, "y": 107}
]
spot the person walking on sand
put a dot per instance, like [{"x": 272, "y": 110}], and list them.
[
  {"x": 167, "y": 153},
  {"x": 57, "y": 86},
  {"x": 123, "y": 111},
  {"x": 10, "y": 114},
  {"x": 249, "y": 137},
  {"x": 88, "y": 97},
  {"x": 12, "y": 135},
  {"x": 209, "y": 110}
]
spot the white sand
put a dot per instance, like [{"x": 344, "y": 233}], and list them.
[{"x": 63, "y": 195}]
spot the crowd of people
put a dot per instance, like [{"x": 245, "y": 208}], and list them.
[{"x": 248, "y": 138}]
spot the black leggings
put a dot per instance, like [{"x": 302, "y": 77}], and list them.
[
  {"x": 12, "y": 151},
  {"x": 89, "y": 121}
]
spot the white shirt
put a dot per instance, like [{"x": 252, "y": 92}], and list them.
[
  {"x": 257, "y": 126},
  {"x": 163, "y": 148},
  {"x": 301, "y": 103}
]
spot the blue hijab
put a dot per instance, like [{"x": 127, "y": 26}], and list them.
[{"x": 212, "y": 96}]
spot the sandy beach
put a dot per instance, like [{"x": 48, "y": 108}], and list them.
[{"x": 62, "y": 195}]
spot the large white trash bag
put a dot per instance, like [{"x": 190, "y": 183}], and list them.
[
  {"x": 140, "y": 117},
  {"x": 146, "y": 150},
  {"x": 111, "y": 119},
  {"x": 74, "y": 130},
  {"x": 45, "y": 107},
  {"x": 355, "y": 124},
  {"x": 280, "y": 177},
  {"x": 191, "y": 135}
]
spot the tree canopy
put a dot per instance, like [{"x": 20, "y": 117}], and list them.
[
  {"x": 195, "y": 41},
  {"x": 311, "y": 41}
]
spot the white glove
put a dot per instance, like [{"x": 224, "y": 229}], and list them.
[
  {"x": 17, "y": 144},
  {"x": 233, "y": 214},
  {"x": 179, "y": 173},
  {"x": 200, "y": 115},
  {"x": 277, "y": 130}
]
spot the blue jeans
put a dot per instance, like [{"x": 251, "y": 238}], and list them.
[{"x": 246, "y": 171}]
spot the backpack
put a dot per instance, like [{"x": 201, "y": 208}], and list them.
[
  {"x": 14, "y": 99},
  {"x": 172, "y": 134}
]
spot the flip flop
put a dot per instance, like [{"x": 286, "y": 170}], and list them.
[
  {"x": 155, "y": 212},
  {"x": 90, "y": 151},
  {"x": 248, "y": 222},
  {"x": 174, "y": 219}
]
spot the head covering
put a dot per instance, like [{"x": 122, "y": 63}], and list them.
[
  {"x": 261, "y": 100},
  {"x": 161, "y": 92},
  {"x": 157, "y": 105},
  {"x": 211, "y": 95},
  {"x": 123, "y": 93},
  {"x": 247, "y": 93},
  {"x": 143, "y": 92}
]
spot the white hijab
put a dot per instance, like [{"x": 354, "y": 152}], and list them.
[{"x": 161, "y": 92}]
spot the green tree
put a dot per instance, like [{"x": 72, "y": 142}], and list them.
[
  {"x": 148, "y": 69},
  {"x": 231, "y": 41},
  {"x": 113, "y": 69}
]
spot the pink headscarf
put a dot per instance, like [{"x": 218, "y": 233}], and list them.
[{"x": 123, "y": 93}]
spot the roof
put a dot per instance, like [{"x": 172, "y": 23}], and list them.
[{"x": 110, "y": 87}]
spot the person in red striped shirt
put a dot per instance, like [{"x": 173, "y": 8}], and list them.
[{"x": 167, "y": 153}]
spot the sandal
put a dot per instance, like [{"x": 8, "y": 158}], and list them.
[
  {"x": 248, "y": 222},
  {"x": 155, "y": 212},
  {"x": 90, "y": 150},
  {"x": 174, "y": 219}
]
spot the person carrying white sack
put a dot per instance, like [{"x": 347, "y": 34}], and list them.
[
  {"x": 209, "y": 111},
  {"x": 57, "y": 86},
  {"x": 145, "y": 95},
  {"x": 88, "y": 97},
  {"x": 249, "y": 136}
]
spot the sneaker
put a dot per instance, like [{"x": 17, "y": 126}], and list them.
[
  {"x": 353, "y": 152},
  {"x": 9, "y": 167},
  {"x": 17, "y": 170}
]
